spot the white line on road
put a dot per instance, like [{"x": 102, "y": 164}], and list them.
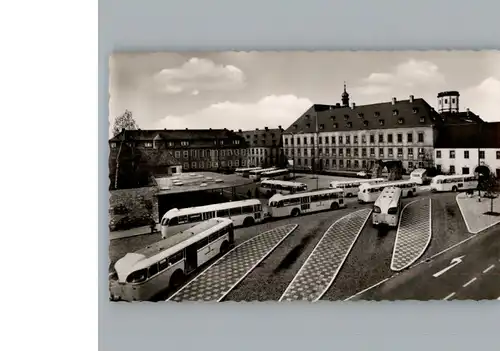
[
  {"x": 489, "y": 268},
  {"x": 469, "y": 282},
  {"x": 369, "y": 288},
  {"x": 449, "y": 296}
]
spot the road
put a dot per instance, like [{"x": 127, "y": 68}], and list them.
[{"x": 469, "y": 271}]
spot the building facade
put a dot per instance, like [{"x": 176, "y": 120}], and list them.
[
  {"x": 264, "y": 146},
  {"x": 350, "y": 137},
  {"x": 469, "y": 149},
  {"x": 159, "y": 152}
]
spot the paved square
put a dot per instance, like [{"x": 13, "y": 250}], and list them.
[
  {"x": 414, "y": 234},
  {"x": 321, "y": 267},
  {"x": 220, "y": 278}
]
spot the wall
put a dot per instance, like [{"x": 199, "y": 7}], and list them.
[
  {"x": 459, "y": 161},
  {"x": 130, "y": 208}
]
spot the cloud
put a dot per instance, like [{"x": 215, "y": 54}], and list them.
[
  {"x": 409, "y": 77},
  {"x": 270, "y": 111},
  {"x": 484, "y": 99},
  {"x": 199, "y": 74}
]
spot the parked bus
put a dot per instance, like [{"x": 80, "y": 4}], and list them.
[
  {"x": 370, "y": 192},
  {"x": 419, "y": 176},
  {"x": 277, "y": 174},
  {"x": 387, "y": 207},
  {"x": 245, "y": 212},
  {"x": 271, "y": 187},
  {"x": 312, "y": 201},
  {"x": 244, "y": 172},
  {"x": 453, "y": 183},
  {"x": 141, "y": 275},
  {"x": 351, "y": 187},
  {"x": 255, "y": 174}
]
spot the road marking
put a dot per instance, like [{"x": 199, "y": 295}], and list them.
[
  {"x": 449, "y": 296},
  {"x": 453, "y": 263},
  {"x": 489, "y": 268},
  {"x": 320, "y": 269},
  {"x": 369, "y": 288},
  {"x": 469, "y": 282},
  {"x": 413, "y": 235},
  {"x": 220, "y": 278}
]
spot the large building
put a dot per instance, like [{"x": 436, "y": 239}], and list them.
[
  {"x": 349, "y": 137},
  {"x": 264, "y": 146},
  {"x": 159, "y": 152},
  {"x": 467, "y": 149}
]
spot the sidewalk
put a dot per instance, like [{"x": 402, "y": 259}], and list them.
[
  {"x": 120, "y": 234},
  {"x": 473, "y": 212}
]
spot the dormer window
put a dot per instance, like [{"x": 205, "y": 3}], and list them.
[
  {"x": 365, "y": 123},
  {"x": 307, "y": 116},
  {"x": 400, "y": 121},
  {"x": 294, "y": 126},
  {"x": 361, "y": 115},
  {"x": 308, "y": 125},
  {"x": 335, "y": 125},
  {"x": 349, "y": 124},
  {"x": 332, "y": 118},
  {"x": 381, "y": 122},
  {"x": 346, "y": 117},
  {"x": 184, "y": 143},
  {"x": 377, "y": 114},
  {"x": 415, "y": 110},
  {"x": 248, "y": 136},
  {"x": 113, "y": 145},
  {"x": 171, "y": 143},
  {"x": 422, "y": 119},
  {"x": 321, "y": 126},
  {"x": 395, "y": 112}
]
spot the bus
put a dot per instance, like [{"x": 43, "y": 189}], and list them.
[
  {"x": 351, "y": 187},
  {"x": 255, "y": 174},
  {"x": 453, "y": 182},
  {"x": 312, "y": 201},
  {"x": 245, "y": 212},
  {"x": 387, "y": 207},
  {"x": 271, "y": 187},
  {"x": 370, "y": 192},
  {"x": 244, "y": 172},
  {"x": 278, "y": 174},
  {"x": 419, "y": 176},
  {"x": 142, "y": 275}
]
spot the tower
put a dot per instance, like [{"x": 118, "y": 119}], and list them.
[
  {"x": 345, "y": 97},
  {"x": 448, "y": 101}
]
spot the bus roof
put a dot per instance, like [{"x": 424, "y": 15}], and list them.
[
  {"x": 278, "y": 197},
  {"x": 418, "y": 171},
  {"x": 337, "y": 182},
  {"x": 275, "y": 171},
  {"x": 262, "y": 170},
  {"x": 247, "y": 169},
  {"x": 282, "y": 182},
  {"x": 206, "y": 208},
  {"x": 386, "y": 184},
  {"x": 451, "y": 176},
  {"x": 389, "y": 197},
  {"x": 166, "y": 247}
]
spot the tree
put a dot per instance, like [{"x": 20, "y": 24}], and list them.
[
  {"x": 124, "y": 121},
  {"x": 491, "y": 188}
]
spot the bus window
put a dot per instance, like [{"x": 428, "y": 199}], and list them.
[
  {"x": 280, "y": 204},
  {"x": 208, "y": 215},
  {"x": 236, "y": 211},
  {"x": 163, "y": 264},
  {"x": 173, "y": 221},
  {"x": 153, "y": 269},
  {"x": 295, "y": 200},
  {"x": 222, "y": 213},
  {"x": 193, "y": 218},
  {"x": 305, "y": 199},
  {"x": 247, "y": 209},
  {"x": 178, "y": 256},
  {"x": 182, "y": 219},
  {"x": 137, "y": 276},
  {"x": 392, "y": 210},
  {"x": 376, "y": 209},
  {"x": 258, "y": 208},
  {"x": 202, "y": 243},
  {"x": 213, "y": 237}
]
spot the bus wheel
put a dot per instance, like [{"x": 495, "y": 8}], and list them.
[
  {"x": 224, "y": 248},
  {"x": 410, "y": 194},
  {"x": 454, "y": 189},
  {"x": 334, "y": 206},
  {"x": 248, "y": 221},
  {"x": 295, "y": 212},
  {"x": 176, "y": 279}
]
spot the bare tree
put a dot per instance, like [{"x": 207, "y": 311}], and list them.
[{"x": 124, "y": 121}]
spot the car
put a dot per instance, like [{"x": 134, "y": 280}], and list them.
[{"x": 362, "y": 174}]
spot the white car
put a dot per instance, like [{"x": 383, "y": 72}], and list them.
[{"x": 361, "y": 174}]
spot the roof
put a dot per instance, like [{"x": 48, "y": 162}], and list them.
[
  {"x": 335, "y": 118},
  {"x": 460, "y": 117},
  {"x": 389, "y": 193},
  {"x": 448, "y": 93},
  {"x": 277, "y": 197},
  {"x": 221, "y": 206},
  {"x": 262, "y": 137},
  {"x": 175, "y": 134},
  {"x": 465, "y": 136}
]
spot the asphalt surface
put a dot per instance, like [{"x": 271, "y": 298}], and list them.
[{"x": 469, "y": 271}]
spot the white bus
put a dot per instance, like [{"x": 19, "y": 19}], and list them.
[
  {"x": 308, "y": 202},
  {"x": 244, "y": 172},
  {"x": 453, "y": 182},
  {"x": 419, "y": 176},
  {"x": 255, "y": 174},
  {"x": 387, "y": 208},
  {"x": 351, "y": 187},
  {"x": 271, "y": 187},
  {"x": 245, "y": 212},
  {"x": 141, "y": 275},
  {"x": 278, "y": 174},
  {"x": 370, "y": 192}
]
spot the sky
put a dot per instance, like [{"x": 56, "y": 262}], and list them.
[{"x": 248, "y": 90}]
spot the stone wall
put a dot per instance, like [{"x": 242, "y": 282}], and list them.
[{"x": 129, "y": 208}]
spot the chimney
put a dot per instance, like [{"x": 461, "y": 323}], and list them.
[
  {"x": 239, "y": 130},
  {"x": 411, "y": 98},
  {"x": 164, "y": 128},
  {"x": 394, "y": 101},
  {"x": 353, "y": 105},
  {"x": 337, "y": 104},
  {"x": 266, "y": 128},
  {"x": 467, "y": 110},
  {"x": 187, "y": 129},
  {"x": 123, "y": 130},
  {"x": 279, "y": 127},
  {"x": 256, "y": 128}
]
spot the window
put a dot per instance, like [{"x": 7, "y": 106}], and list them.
[
  {"x": 400, "y": 152},
  {"x": 361, "y": 115},
  {"x": 481, "y": 154},
  {"x": 335, "y": 125},
  {"x": 415, "y": 110},
  {"x": 438, "y": 168},
  {"x": 186, "y": 154},
  {"x": 452, "y": 153},
  {"x": 453, "y": 100},
  {"x": 312, "y": 140},
  {"x": 177, "y": 154},
  {"x": 372, "y": 152},
  {"x": 365, "y": 123},
  {"x": 186, "y": 165},
  {"x": 466, "y": 154},
  {"x": 381, "y": 138},
  {"x": 236, "y": 142},
  {"x": 377, "y": 114},
  {"x": 391, "y": 152},
  {"x": 409, "y": 137},
  {"x": 363, "y": 152},
  {"x": 321, "y": 126},
  {"x": 410, "y": 164},
  {"x": 308, "y": 125},
  {"x": 363, "y": 139},
  {"x": 498, "y": 155},
  {"x": 356, "y": 152},
  {"x": 333, "y": 140},
  {"x": 355, "y": 139},
  {"x": 465, "y": 170},
  {"x": 286, "y": 141},
  {"x": 113, "y": 145},
  {"x": 193, "y": 164},
  {"x": 452, "y": 169},
  {"x": 348, "y": 152},
  {"x": 445, "y": 101},
  {"x": 326, "y": 140},
  {"x": 202, "y": 164},
  {"x": 346, "y": 117},
  {"x": 438, "y": 154},
  {"x": 389, "y": 138},
  {"x": 422, "y": 119},
  {"x": 222, "y": 153},
  {"x": 381, "y": 152},
  {"x": 420, "y": 137},
  {"x": 235, "y": 211},
  {"x": 400, "y": 138},
  {"x": 349, "y": 124},
  {"x": 305, "y": 141},
  {"x": 347, "y": 139},
  {"x": 340, "y": 140},
  {"x": 184, "y": 143},
  {"x": 372, "y": 138},
  {"x": 148, "y": 144},
  {"x": 320, "y": 140},
  {"x": 410, "y": 152},
  {"x": 395, "y": 112},
  {"x": 334, "y": 152},
  {"x": 381, "y": 122}
]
